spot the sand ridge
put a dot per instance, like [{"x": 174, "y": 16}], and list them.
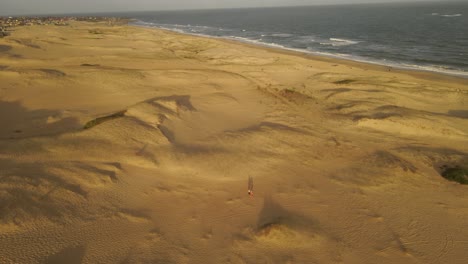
[{"x": 121, "y": 144}]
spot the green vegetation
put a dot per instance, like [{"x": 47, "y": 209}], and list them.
[
  {"x": 96, "y": 31},
  {"x": 4, "y": 48},
  {"x": 103, "y": 119},
  {"x": 456, "y": 174},
  {"x": 345, "y": 81}
]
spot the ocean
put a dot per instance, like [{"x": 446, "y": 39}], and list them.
[{"x": 422, "y": 36}]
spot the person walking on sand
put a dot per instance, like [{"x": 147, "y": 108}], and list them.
[{"x": 250, "y": 187}]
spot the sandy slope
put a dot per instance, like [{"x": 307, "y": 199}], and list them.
[{"x": 345, "y": 157}]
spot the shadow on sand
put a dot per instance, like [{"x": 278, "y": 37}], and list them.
[
  {"x": 459, "y": 113},
  {"x": 70, "y": 255},
  {"x": 273, "y": 214},
  {"x": 19, "y": 122}
]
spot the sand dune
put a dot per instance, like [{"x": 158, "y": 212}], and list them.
[{"x": 121, "y": 144}]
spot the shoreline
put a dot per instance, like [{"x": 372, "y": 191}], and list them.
[{"x": 422, "y": 73}]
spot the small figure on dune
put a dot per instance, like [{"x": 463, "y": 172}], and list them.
[{"x": 250, "y": 186}]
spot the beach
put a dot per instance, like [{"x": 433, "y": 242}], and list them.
[{"x": 124, "y": 144}]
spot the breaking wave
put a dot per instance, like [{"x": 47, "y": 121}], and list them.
[
  {"x": 336, "y": 42},
  {"x": 446, "y": 15}
]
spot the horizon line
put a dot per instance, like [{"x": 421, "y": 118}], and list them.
[{"x": 218, "y": 8}]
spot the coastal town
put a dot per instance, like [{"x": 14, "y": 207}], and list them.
[{"x": 8, "y": 23}]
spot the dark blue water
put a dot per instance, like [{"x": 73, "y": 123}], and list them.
[{"x": 429, "y": 36}]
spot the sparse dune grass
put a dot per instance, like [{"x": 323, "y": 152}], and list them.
[
  {"x": 103, "y": 119},
  {"x": 345, "y": 81},
  {"x": 96, "y": 31},
  {"x": 456, "y": 174}
]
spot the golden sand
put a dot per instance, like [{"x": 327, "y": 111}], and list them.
[{"x": 345, "y": 156}]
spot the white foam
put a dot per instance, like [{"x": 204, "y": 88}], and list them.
[
  {"x": 344, "y": 41},
  {"x": 304, "y": 39},
  {"x": 337, "y": 42},
  {"x": 454, "y": 15},
  {"x": 255, "y": 41},
  {"x": 282, "y": 35},
  {"x": 176, "y": 27},
  {"x": 446, "y": 15},
  {"x": 435, "y": 68}
]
